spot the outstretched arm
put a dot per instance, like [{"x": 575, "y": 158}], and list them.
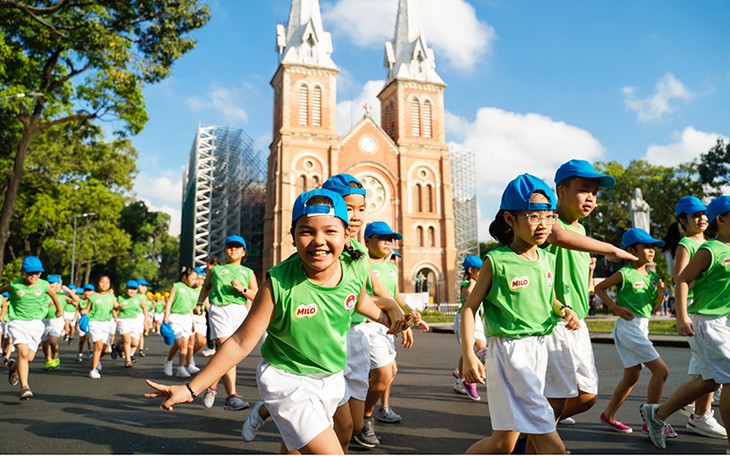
[{"x": 571, "y": 240}]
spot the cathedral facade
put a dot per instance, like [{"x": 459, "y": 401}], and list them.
[{"x": 401, "y": 158}]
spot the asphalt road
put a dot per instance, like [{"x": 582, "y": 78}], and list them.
[{"x": 71, "y": 413}]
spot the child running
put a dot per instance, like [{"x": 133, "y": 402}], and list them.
[
  {"x": 131, "y": 316},
  {"x": 70, "y": 310},
  {"x": 179, "y": 313},
  {"x": 101, "y": 308},
  {"x": 690, "y": 213},
  {"x": 472, "y": 265},
  {"x": 53, "y": 325},
  {"x": 706, "y": 320},
  {"x": 640, "y": 293},
  {"x": 305, "y": 306},
  {"x": 515, "y": 287},
  {"x": 84, "y": 341},
  {"x": 28, "y": 304}
]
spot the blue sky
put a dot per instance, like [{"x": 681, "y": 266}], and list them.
[{"x": 530, "y": 84}]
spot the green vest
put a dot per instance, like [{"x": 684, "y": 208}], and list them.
[
  {"x": 28, "y": 303},
  {"x": 691, "y": 246},
  {"x": 52, "y": 307},
  {"x": 131, "y": 306},
  {"x": 160, "y": 305},
  {"x": 572, "y": 270},
  {"x": 222, "y": 292},
  {"x": 387, "y": 274},
  {"x": 712, "y": 286},
  {"x": 519, "y": 302},
  {"x": 308, "y": 330},
  {"x": 184, "y": 299},
  {"x": 637, "y": 291},
  {"x": 68, "y": 304},
  {"x": 101, "y": 307}
]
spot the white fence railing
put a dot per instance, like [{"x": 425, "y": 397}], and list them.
[{"x": 446, "y": 308}]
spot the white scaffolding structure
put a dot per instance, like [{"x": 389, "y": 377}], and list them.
[{"x": 463, "y": 186}]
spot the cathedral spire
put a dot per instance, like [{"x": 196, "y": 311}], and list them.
[
  {"x": 408, "y": 55},
  {"x": 303, "y": 40}
]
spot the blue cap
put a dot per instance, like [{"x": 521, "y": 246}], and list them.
[
  {"x": 132, "y": 284},
  {"x": 84, "y": 323},
  {"x": 167, "y": 333},
  {"x": 235, "y": 239},
  {"x": 381, "y": 229},
  {"x": 143, "y": 282},
  {"x": 717, "y": 207},
  {"x": 516, "y": 196},
  {"x": 72, "y": 287},
  {"x": 199, "y": 270},
  {"x": 6, "y": 294},
  {"x": 301, "y": 208},
  {"x": 340, "y": 184},
  {"x": 639, "y": 236},
  {"x": 54, "y": 279},
  {"x": 472, "y": 261},
  {"x": 581, "y": 168},
  {"x": 689, "y": 205},
  {"x": 89, "y": 287},
  {"x": 32, "y": 264},
  {"x": 396, "y": 253}
]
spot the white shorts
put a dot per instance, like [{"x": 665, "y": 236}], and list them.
[
  {"x": 631, "y": 338},
  {"x": 102, "y": 330},
  {"x": 159, "y": 316},
  {"x": 27, "y": 332},
  {"x": 515, "y": 371},
  {"x": 225, "y": 320},
  {"x": 571, "y": 366},
  {"x": 357, "y": 370},
  {"x": 132, "y": 326},
  {"x": 70, "y": 316},
  {"x": 54, "y": 328},
  {"x": 382, "y": 345},
  {"x": 182, "y": 325},
  {"x": 302, "y": 406},
  {"x": 711, "y": 347},
  {"x": 478, "y": 328},
  {"x": 200, "y": 324}
]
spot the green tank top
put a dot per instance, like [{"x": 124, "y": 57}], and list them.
[
  {"x": 222, "y": 292},
  {"x": 712, "y": 287},
  {"x": 356, "y": 317},
  {"x": 84, "y": 302},
  {"x": 637, "y": 291},
  {"x": 572, "y": 270},
  {"x": 184, "y": 299},
  {"x": 68, "y": 306},
  {"x": 308, "y": 330},
  {"x": 691, "y": 246},
  {"x": 52, "y": 307},
  {"x": 101, "y": 307},
  {"x": 131, "y": 307},
  {"x": 28, "y": 302},
  {"x": 519, "y": 302},
  {"x": 160, "y": 305}
]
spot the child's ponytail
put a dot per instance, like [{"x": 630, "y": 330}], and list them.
[
  {"x": 500, "y": 230},
  {"x": 671, "y": 239},
  {"x": 354, "y": 253}
]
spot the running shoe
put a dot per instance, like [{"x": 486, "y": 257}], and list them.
[
  {"x": 616, "y": 425},
  {"x": 94, "y": 373},
  {"x": 48, "y": 366},
  {"x": 482, "y": 354},
  {"x": 193, "y": 369},
  {"x": 569, "y": 421},
  {"x": 80, "y": 358},
  {"x": 235, "y": 403},
  {"x": 134, "y": 359},
  {"x": 367, "y": 438},
  {"x": 387, "y": 415},
  {"x": 70, "y": 340},
  {"x": 56, "y": 362},
  {"x": 459, "y": 388},
  {"x": 208, "y": 352},
  {"x": 115, "y": 351},
  {"x": 182, "y": 372},
  {"x": 471, "y": 390},
  {"x": 65, "y": 337},
  {"x": 142, "y": 353},
  {"x": 167, "y": 368},
  {"x": 13, "y": 376},
  {"x": 253, "y": 423},
  {"x": 209, "y": 398},
  {"x": 25, "y": 393},
  {"x": 455, "y": 373},
  {"x": 669, "y": 431},
  {"x": 706, "y": 425},
  {"x": 654, "y": 426}
]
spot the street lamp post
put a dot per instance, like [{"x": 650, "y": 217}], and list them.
[{"x": 73, "y": 245}]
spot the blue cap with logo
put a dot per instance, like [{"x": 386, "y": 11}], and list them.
[
  {"x": 132, "y": 284},
  {"x": 32, "y": 264},
  {"x": 200, "y": 270},
  {"x": 167, "y": 333},
  {"x": 582, "y": 168},
  {"x": 54, "y": 279},
  {"x": 89, "y": 287},
  {"x": 340, "y": 184},
  {"x": 143, "y": 282},
  {"x": 516, "y": 196},
  {"x": 689, "y": 205},
  {"x": 638, "y": 236},
  {"x": 381, "y": 229},
  {"x": 302, "y": 206},
  {"x": 472, "y": 261},
  {"x": 235, "y": 239},
  {"x": 717, "y": 207}
]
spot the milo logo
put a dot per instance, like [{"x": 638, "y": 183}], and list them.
[
  {"x": 549, "y": 277},
  {"x": 726, "y": 261},
  {"x": 638, "y": 285},
  {"x": 306, "y": 310},
  {"x": 519, "y": 282},
  {"x": 38, "y": 292},
  {"x": 21, "y": 293},
  {"x": 350, "y": 302}
]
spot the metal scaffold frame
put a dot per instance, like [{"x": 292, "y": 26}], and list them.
[{"x": 463, "y": 186}]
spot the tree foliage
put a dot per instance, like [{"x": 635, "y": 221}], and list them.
[{"x": 714, "y": 168}]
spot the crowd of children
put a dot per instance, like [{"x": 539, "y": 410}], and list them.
[{"x": 328, "y": 315}]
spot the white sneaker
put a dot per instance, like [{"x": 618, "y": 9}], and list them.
[
  {"x": 193, "y": 369},
  {"x": 706, "y": 425},
  {"x": 459, "y": 388},
  {"x": 568, "y": 420},
  {"x": 252, "y": 424},
  {"x": 94, "y": 374},
  {"x": 167, "y": 368},
  {"x": 182, "y": 372}
]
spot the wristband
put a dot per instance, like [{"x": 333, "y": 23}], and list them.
[{"x": 192, "y": 393}]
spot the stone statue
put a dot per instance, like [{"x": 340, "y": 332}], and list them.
[{"x": 640, "y": 211}]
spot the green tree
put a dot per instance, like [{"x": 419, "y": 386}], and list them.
[
  {"x": 89, "y": 60},
  {"x": 714, "y": 168}
]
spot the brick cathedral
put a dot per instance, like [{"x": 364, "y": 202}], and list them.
[{"x": 401, "y": 158}]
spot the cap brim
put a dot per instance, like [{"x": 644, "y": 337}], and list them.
[{"x": 604, "y": 180}]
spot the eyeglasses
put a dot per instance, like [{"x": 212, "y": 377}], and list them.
[
  {"x": 384, "y": 238},
  {"x": 534, "y": 219}
]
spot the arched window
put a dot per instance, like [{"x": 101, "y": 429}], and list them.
[
  {"x": 302, "y": 183},
  {"x": 431, "y": 236},
  {"x": 315, "y": 182},
  {"x": 418, "y": 198},
  {"x": 427, "y": 133},
  {"x": 317, "y": 106},
  {"x": 429, "y": 198},
  {"x": 419, "y": 235},
  {"x": 303, "y": 105},
  {"x": 415, "y": 118}
]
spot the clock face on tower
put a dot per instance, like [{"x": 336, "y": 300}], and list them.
[
  {"x": 368, "y": 144},
  {"x": 377, "y": 194}
]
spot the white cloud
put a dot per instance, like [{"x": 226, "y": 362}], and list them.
[
  {"x": 450, "y": 26},
  {"x": 666, "y": 90},
  {"x": 688, "y": 145},
  {"x": 222, "y": 100},
  {"x": 507, "y": 144},
  {"x": 161, "y": 194},
  {"x": 349, "y": 112}
]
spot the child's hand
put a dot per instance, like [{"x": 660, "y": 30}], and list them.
[
  {"x": 174, "y": 394},
  {"x": 474, "y": 371},
  {"x": 624, "y": 313},
  {"x": 572, "y": 322},
  {"x": 660, "y": 288},
  {"x": 620, "y": 254},
  {"x": 398, "y": 320},
  {"x": 685, "y": 327},
  {"x": 418, "y": 321},
  {"x": 407, "y": 338},
  {"x": 237, "y": 285}
]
